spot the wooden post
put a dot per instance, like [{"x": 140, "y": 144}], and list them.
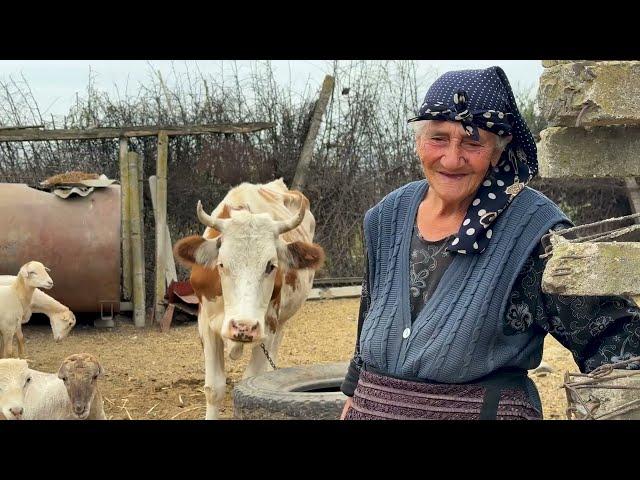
[
  {"x": 137, "y": 254},
  {"x": 140, "y": 162},
  {"x": 125, "y": 230},
  {"x": 161, "y": 222},
  {"x": 170, "y": 270},
  {"x": 309, "y": 142}
]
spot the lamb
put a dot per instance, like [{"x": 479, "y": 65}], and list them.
[
  {"x": 71, "y": 394},
  {"x": 61, "y": 318},
  {"x": 15, "y": 377},
  {"x": 15, "y": 302}
]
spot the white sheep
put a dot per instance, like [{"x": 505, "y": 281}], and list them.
[
  {"x": 71, "y": 394},
  {"x": 15, "y": 304},
  {"x": 61, "y": 318},
  {"x": 15, "y": 378}
]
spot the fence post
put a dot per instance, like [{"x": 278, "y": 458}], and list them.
[
  {"x": 309, "y": 142},
  {"x": 125, "y": 222},
  {"x": 140, "y": 162},
  {"x": 137, "y": 251},
  {"x": 161, "y": 222}
]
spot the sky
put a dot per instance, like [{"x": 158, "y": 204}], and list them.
[{"x": 55, "y": 83}]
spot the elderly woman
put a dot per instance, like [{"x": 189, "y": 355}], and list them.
[{"x": 452, "y": 313}]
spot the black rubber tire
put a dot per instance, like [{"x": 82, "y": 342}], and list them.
[{"x": 282, "y": 394}]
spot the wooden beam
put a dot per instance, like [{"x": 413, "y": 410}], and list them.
[
  {"x": 335, "y": 292},
  {"x": 27, "y": 127},
  {"x": 125, "y": 231},
  {"x": 165, "y": 323},
  {"x": 307, "y": 148},
  {"x": 32, "y": 134},
  {"x": 170, "y": 267},
  {"x": 137, "y": 253},
  {"x": 161, "y": 223}
]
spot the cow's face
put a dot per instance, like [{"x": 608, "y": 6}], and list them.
[
  {"x": 247, "y": 262},
  {"x": 249, "y": 258}
]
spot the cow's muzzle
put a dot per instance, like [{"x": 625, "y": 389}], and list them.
[{"x": 244, "y": 331}]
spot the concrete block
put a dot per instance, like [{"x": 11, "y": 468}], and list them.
[
  {"x": 590, "y": 93},
  {"x": 589, "y": 152}
]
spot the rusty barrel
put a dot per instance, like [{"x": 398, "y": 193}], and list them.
[{"x": 78, "y": 238}]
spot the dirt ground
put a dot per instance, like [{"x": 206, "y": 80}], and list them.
[{"x": 155, "y": 375}]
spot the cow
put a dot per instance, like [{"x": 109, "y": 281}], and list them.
[{"x": 251, "y": 270}]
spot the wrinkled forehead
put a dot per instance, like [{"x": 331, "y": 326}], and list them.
[{"x": 449, "y": 128}]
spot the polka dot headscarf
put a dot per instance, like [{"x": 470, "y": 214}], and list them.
[{"x": 484, "y": 99}]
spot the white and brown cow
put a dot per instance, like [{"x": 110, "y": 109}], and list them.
[{"x": 252, "y": 269}]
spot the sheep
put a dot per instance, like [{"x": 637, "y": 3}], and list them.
[
  {"x": 61, "y": 318},
  {"x": 15, "y": 377},
  {"x": 71, "y": 394},
  {"x": 15, "y": 302}
]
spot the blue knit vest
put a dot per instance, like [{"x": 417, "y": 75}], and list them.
[{"x": 458, "y": 336}]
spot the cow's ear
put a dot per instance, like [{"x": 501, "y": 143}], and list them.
[
  {"x": 304, "y": 255},
  {"x": 196, "y": 249}
]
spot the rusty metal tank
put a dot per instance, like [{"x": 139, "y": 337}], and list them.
[{"x": 78, "y": 238}]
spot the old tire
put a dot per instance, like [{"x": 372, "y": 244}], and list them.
[{"x": 292, "y": 393}]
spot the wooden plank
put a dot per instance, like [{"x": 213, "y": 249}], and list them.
[
  {"x": 307, "y": 148},
  {"x": 144, "y": 131},
  {"x": 334, "y": 292},
  {"x": 165, "y": 323},
  {"x": 26, "y": 127},
  {"x": 137, "y": 254},
  {"x": 170, "y": 270},
  {"x": 125, "y": 220},
  {"x": 161, "y": 223}
]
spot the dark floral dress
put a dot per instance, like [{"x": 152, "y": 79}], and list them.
[{"x": 596, "y": 330}]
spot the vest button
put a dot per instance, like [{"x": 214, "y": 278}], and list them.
[{"x": 406, "y": 333}]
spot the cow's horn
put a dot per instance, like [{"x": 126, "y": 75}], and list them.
[
  {"x": 208, "y": 220},
  {"x": 283, "y": 226}
]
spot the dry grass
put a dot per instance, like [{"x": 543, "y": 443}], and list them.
[
  {"x": 70, "y": 177},
  {"x": 154, "y": 375}
]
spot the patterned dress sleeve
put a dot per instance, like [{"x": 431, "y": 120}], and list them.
[
  {"x": 596, "y": 330},
  {"x": 353, "y": 373}
]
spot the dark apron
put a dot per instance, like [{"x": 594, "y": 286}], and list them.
[{"x": 488, "y": 390}]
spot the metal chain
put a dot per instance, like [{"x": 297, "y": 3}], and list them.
[{"x": 266, "y": 354}]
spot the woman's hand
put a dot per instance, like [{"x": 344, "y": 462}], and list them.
[{"x": 347, "y": 406}]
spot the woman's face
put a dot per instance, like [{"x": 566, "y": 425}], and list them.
[{"x": 453, "y": 163}]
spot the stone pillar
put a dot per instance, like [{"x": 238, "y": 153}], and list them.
[{"x": 593, "y": 112}]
